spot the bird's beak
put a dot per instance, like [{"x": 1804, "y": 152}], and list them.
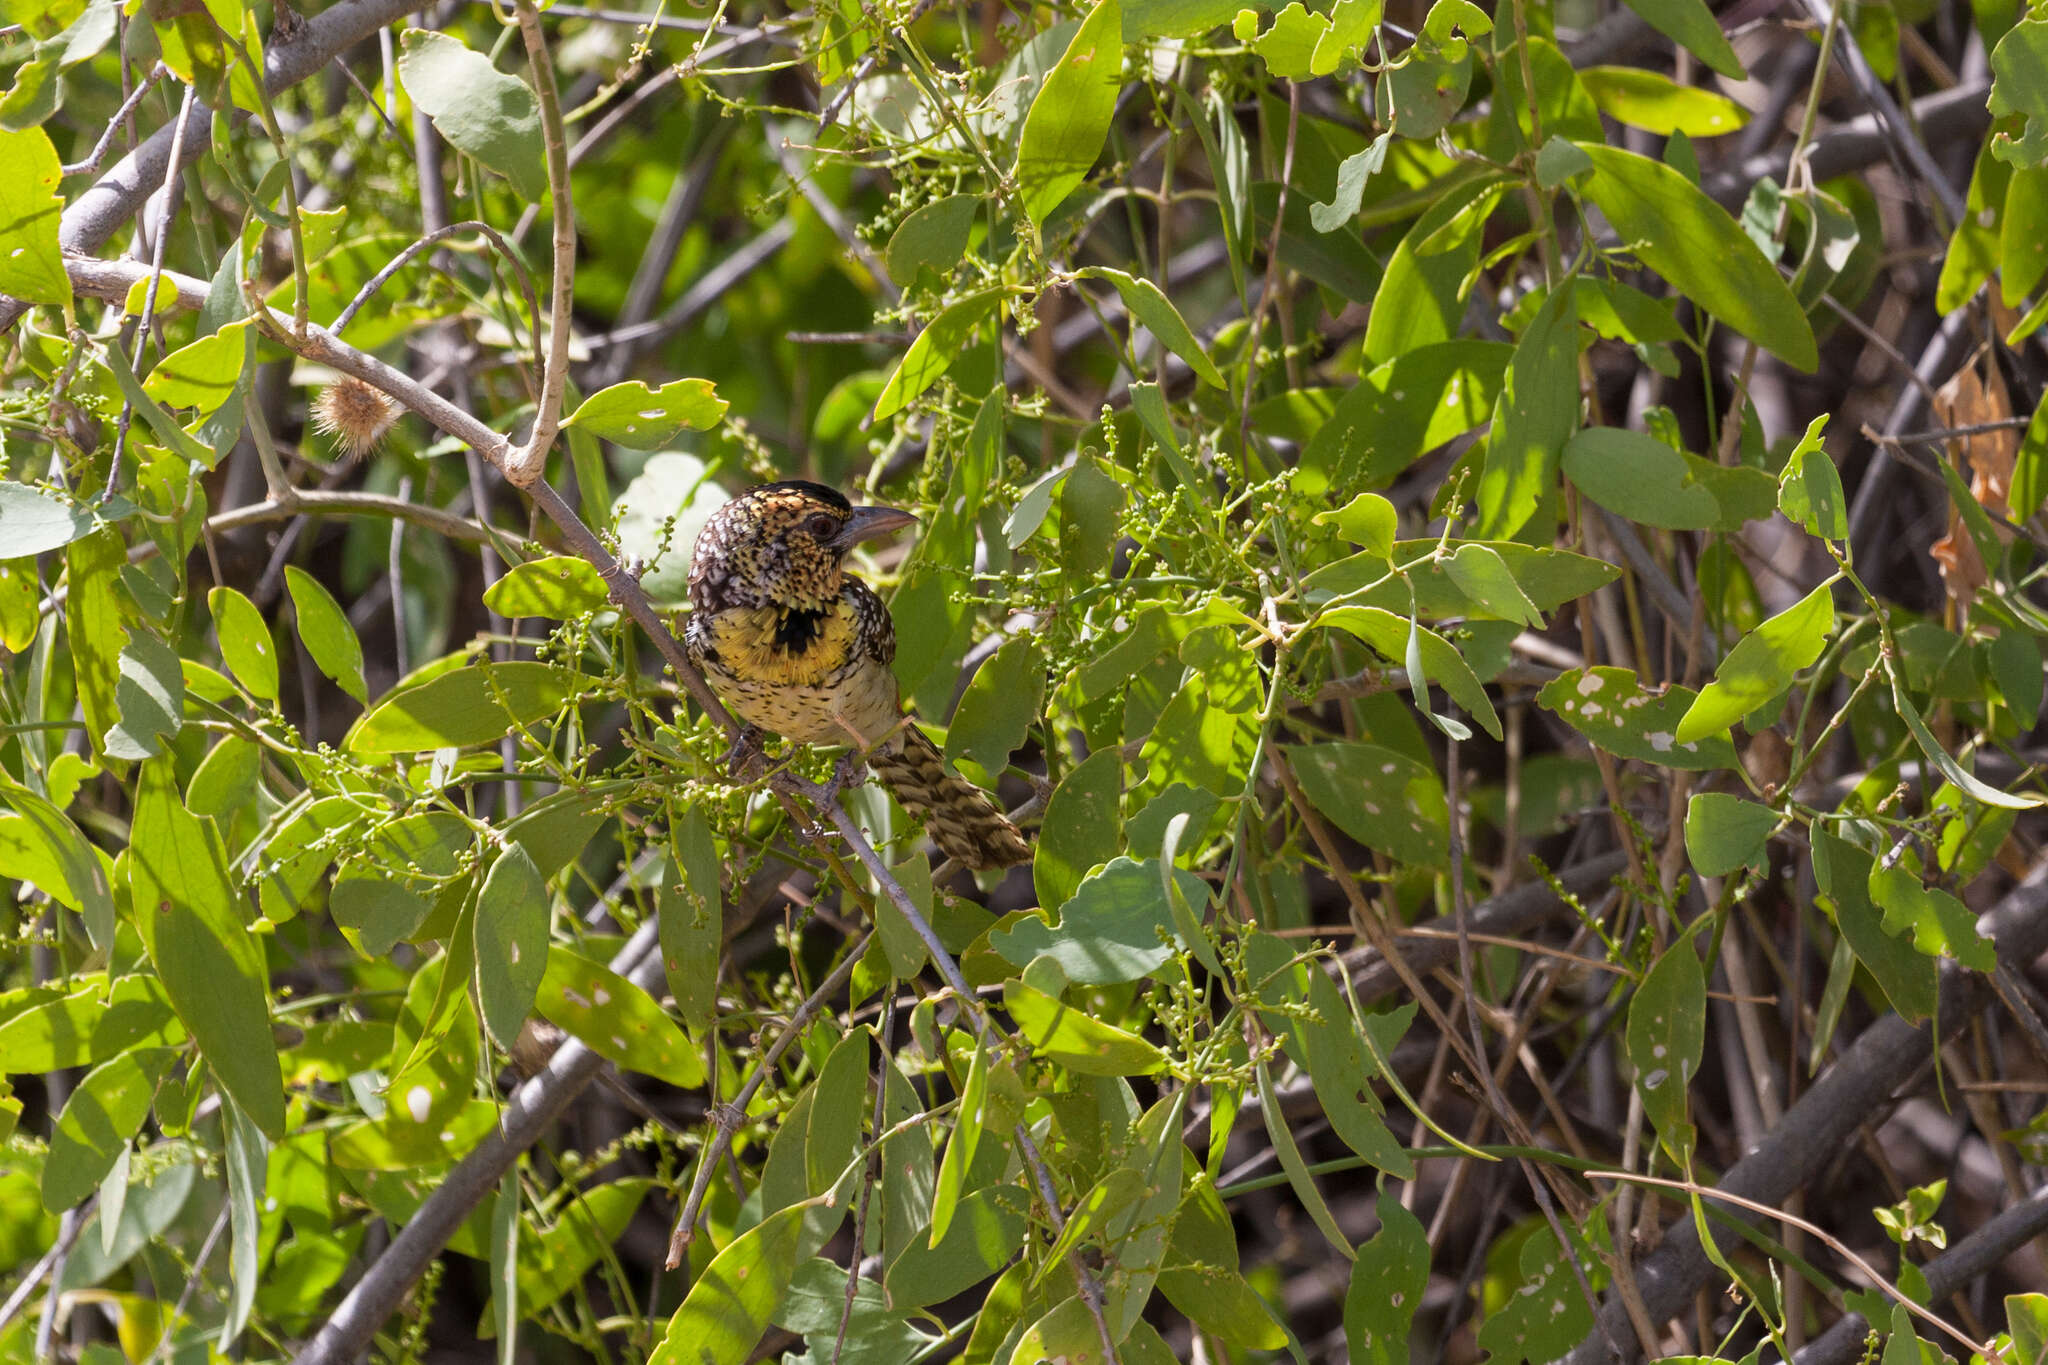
[{"x": 867, "y": 523}]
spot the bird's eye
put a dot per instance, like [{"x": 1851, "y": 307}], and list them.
[{"x": 822, "y": 526}]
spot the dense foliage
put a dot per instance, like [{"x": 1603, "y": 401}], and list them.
[{"x": 1496, "y": 552}]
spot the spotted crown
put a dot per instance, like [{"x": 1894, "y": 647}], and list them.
[{"x": 772, "y": 544}]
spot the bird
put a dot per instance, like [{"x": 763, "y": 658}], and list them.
[{"x": 795, "y": 645}]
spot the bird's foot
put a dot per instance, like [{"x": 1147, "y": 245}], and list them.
[
  {"x": 745, "y": 758},
  {"x": 848, "y": 772}
]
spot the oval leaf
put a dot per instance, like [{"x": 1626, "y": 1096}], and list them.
[
  {"x": 474, "y": 705},
  {"x": 1677, "y": 231},
  {"x": 640, "y": 418}
]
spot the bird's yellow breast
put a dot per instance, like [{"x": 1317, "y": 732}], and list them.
[{"x": 746, "y": 639}]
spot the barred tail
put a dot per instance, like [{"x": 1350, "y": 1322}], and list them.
[{"x": 963, "y": 821}]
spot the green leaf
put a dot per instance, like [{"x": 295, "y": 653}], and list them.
[
  {"x": 1537, "y": 412},
  {"x": 479, "y": 704},
  {"x": 1692, "y": 25},
  {"x": 324, "y": 628},
  {"x": 1337, "y": 1048},
  {"x": 1299, "y": 1178},
  {"x": 212, "y": 968},
  {"x": 1810, "y": 489},
  {"x": 513, "y": 914},
  {"x": 614, "y": 1017},
  {"x": 1972, "y": 785},
  {"x": 2030, "y": 468},
  {"x": 933, "y": 235},
  {"x": 225, "y": 779},
  {"x": 1842, "y": 871},
  {"x": 559, "y": 587},
  {"x": 1118, "y": 926},
  {"x": 639, "y": 418},
  {"x": 1941, "y": 925},
  {"x": 204, "y": 374},
  {"x": 1390, "y": 636},
  {"x": 1083, "y": 827},
  {"x": 1203, "y": 1281},
  {"x": 1636, "y": 476},
  {"x": 397, "y": 1143},
  {"x": 149, "y": 695},
  {"x": 1116, "y": 1193},
  {"x": 1401, "y": 409},
  {"x": 691, "y": 910},
  {"x": 1482, "y": 575},
  {"x": 1076, "y": 1039},
  {"x": 2014, "y": 656},
  {"x": 1367, "y": 521},
  {"x": 1387, "y": 1281},
  {"x": 1338, "y": 261},
  {"x": 44, "y": 1028},
  {"x": 902, "y": 946},
  {"x": 1302, "y": 45},
  {"x": 2019, "y": 85},
  {"x": 659, "y": 517},
  {"x": 1657, "y": 104},
  {"x": 987, "y": 1229},
  {"x": 1724, "y": 833},
  {"x": 1090, "y": 503},
  {"x": 555, "y": 1261},
  {"x": 31, "y": 262},
  {"x": 38, "y": 522},
  {"x": 483, "y": 112},
  {"x": 1548, "y": 578},
  {"x": 1558, "y": 162},
  {"x": 1152, "y": 308},
  {"x": 39, "y": 844},
  {"x": 735, "y": 1299},
  {"x": 1677, "y": 231},
  {"x": 1420, "y": 96},
  {"x": 1066, "y": 1333},
  {"x": 1420, "y": 300},
  {"x": 1380, "y": 797},
  {"x": 1352, "y": 176},
  {"x": 1000, "y": 703},
  {"x": 1610, "y": 707},
  {"x": 1543, "y": 1313},
  {"x": 968, "y": 1119},
  {"x": 92, "y": 625},
  {"x": 245, "y": 642},
  {"x": 934, "y": 350},
  {"x": 1762, "y": 664},
  {"x": 2026, "y": 1317},
  {"x": 247, "y": 1167},
  {"x": 2023, "y": 235},
  {"x": 1070, "y": 116},
  {"x": 838, "y": 1102},
  {"x": 1175, "y": 18},
  {"x": 98, "y": 1122}
]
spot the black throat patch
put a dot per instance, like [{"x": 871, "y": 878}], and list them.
[{"x": 796, "y": 631}]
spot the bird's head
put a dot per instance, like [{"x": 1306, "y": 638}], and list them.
[{"x": 782, "y": 543}]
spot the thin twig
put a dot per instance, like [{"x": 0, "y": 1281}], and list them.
[
  {"x": 145, "y": 327},
  {"x": 526, "y": 465},
  {"x": 91, "y": 165}
]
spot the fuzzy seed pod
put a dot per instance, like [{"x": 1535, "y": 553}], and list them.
[{"x": 355, "y": 414}]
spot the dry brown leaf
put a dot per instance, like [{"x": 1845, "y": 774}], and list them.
[{"x": 1969, "y": 399}]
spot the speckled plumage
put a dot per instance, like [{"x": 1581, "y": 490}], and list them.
[{"x": 799, "y": 647}]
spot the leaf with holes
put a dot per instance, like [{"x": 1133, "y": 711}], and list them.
[{"x": 640, "y": 418}]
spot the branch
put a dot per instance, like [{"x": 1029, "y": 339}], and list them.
[
  {"x": 531, "y": 1111},
  {"x": 1946, "y": 1274},
  {"x": 525, "y": 465},
  {"x": 1826, "y": 1117},
  {"x": 101, "y": 210}
]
